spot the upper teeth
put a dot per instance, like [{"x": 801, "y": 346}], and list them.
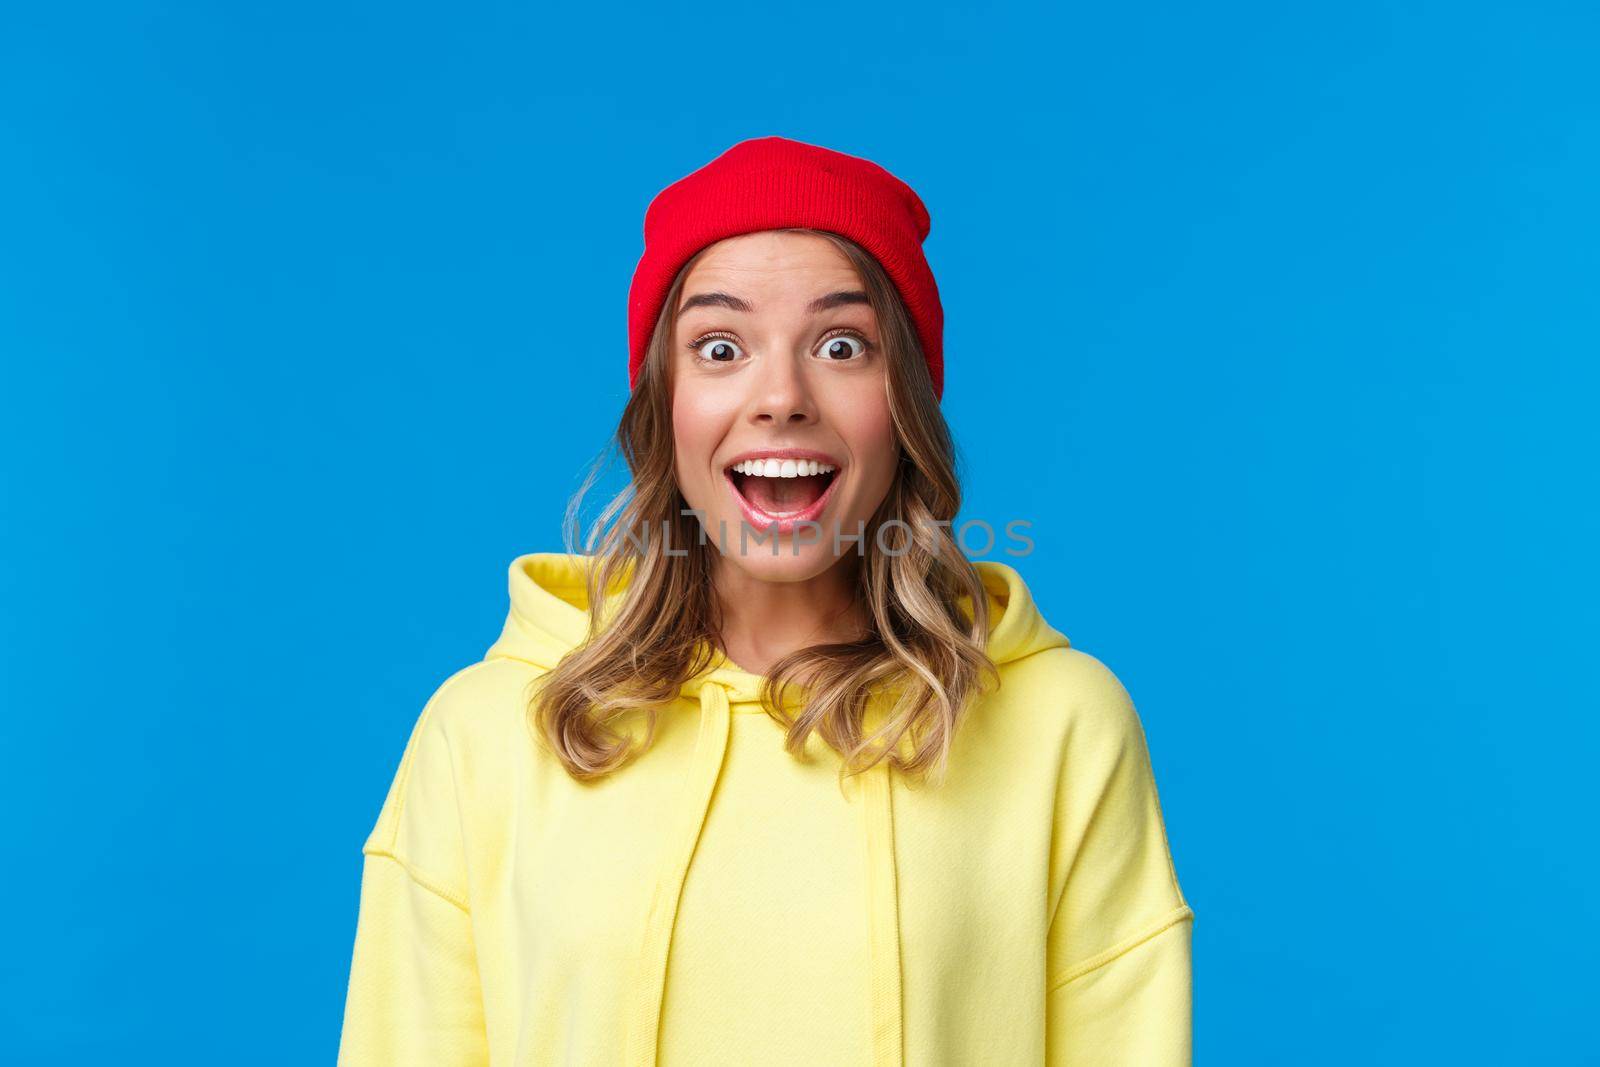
[{"x": 782, "y": 468}]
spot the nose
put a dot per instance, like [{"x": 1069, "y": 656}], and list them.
[{"x": 782, "y": 397}]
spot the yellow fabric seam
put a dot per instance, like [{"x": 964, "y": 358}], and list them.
[
  {"x": 1100, "y": 959},
  {"x": 432, "y": 885}
]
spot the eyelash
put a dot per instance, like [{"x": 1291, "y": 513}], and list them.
[{"x": 719, "y": 335}]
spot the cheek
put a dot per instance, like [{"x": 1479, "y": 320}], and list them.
[
  {"x": 696, "y": 431},
  {"x": 869, "y": 432}
]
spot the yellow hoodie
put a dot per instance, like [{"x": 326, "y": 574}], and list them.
[{"x": 718, "y": 901}]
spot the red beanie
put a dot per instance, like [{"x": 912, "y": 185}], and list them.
[{"x": 767, "y": 183}]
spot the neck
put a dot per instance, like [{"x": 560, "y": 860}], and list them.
[{"x": 764, "y": 621}]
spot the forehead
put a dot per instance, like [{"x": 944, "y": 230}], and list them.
[{"x": 773, "y": 262}]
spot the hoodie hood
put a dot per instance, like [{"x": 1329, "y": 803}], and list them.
[
  {"x": 549, "y": 617},
  {"x": 550, "y": 604}
]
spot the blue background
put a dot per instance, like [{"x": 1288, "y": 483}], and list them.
[{"x": 1277, "y": 321}]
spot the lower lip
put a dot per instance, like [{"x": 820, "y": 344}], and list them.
[{"x": 785, "y": 523}]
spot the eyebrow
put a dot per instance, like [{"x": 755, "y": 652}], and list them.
[{"x": 728, "y": 300}]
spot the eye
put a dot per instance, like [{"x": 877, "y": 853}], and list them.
[
  {"x": 715, "y": 348},
  {"x": 843, "y": 347}
]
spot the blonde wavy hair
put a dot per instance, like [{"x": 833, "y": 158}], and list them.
[{"x": 654, "y": 619}]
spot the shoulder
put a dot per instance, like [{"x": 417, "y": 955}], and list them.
[
  {"x": 1090, "y": 731},
  {"x": 1056, "y": 710},
  {"x": 1079, "y": 674},
  {"x": 1072, "y": 694},
  {"x": 477, "y": 703},
  {"x": 462, "y": 743}
]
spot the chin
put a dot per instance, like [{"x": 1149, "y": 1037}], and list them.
[
  {"x": 783, "y": 561},
  {"x": 811, "y": 561}
]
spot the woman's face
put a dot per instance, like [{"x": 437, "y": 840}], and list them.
[{"x": 776, "y": 350}]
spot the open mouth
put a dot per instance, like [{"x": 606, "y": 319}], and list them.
[{"x": 782, "y": 491}]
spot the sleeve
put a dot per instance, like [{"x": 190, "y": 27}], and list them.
[
  {"x": 414, "y": 996},
  {"x": 1119, "y": 988}
]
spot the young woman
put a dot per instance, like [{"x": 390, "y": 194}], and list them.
[{"x": 774, "y": 773}]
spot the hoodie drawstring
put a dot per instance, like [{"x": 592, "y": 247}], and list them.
[
  {"x": 883, "y": 918},
  {"x": 648, "y": 988}
]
